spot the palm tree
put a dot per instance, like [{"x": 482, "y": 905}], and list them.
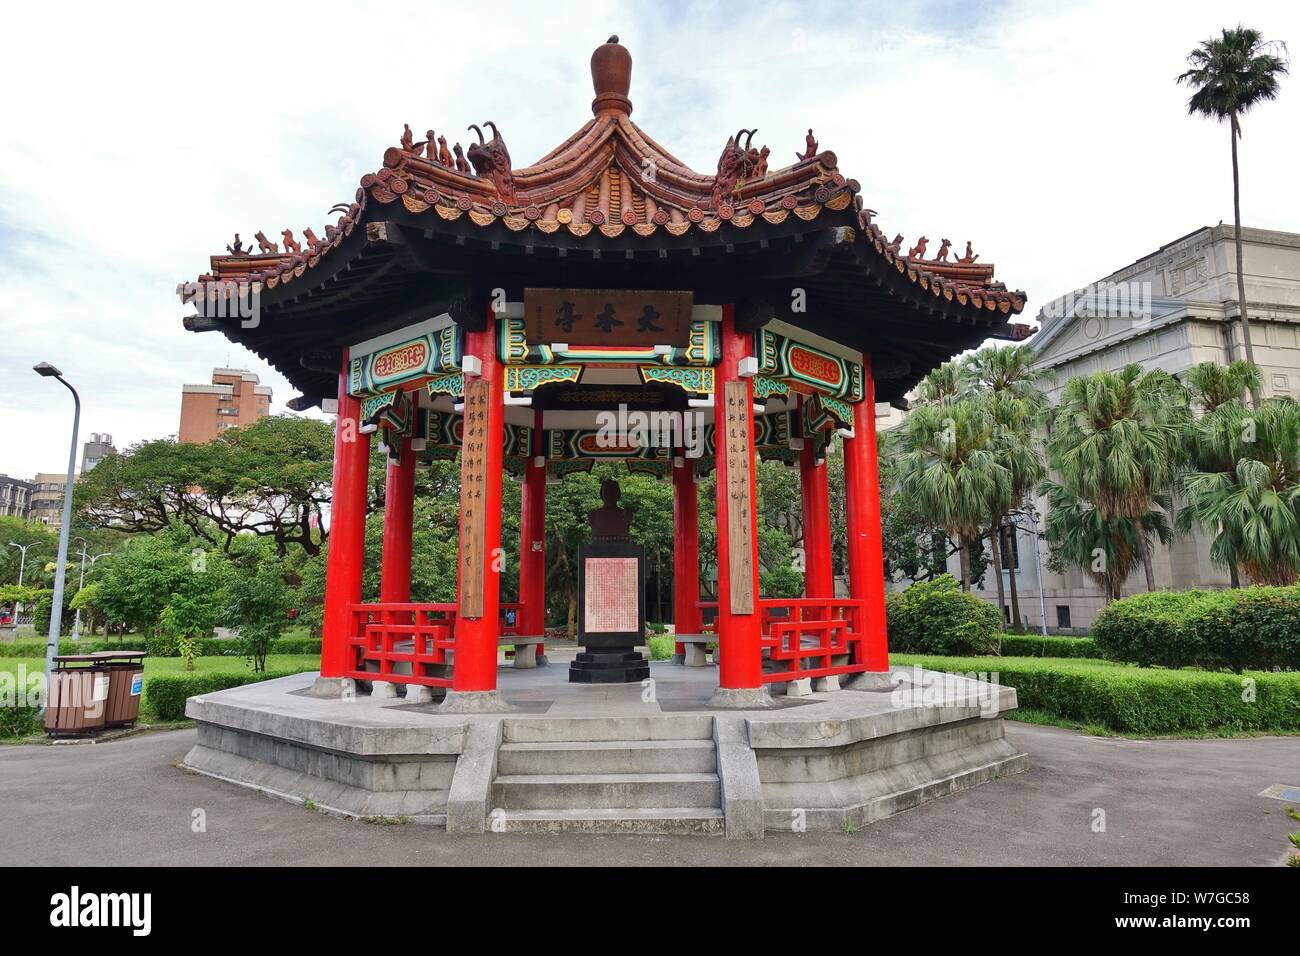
[
  {"x": 1117, "y": 443},
  {"x": 1107, "y": 548},
  {"x": 1230, "y": 74},
  {"x": 1210, "y": 385},
  {"x": 1018, "y": 405},
  {"x": 948, "y": 383},
  {"x": 950, "y": 468},
  {"x": 1252, "y": 504}
]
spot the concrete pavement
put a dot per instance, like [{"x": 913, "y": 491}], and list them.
[{"x": 1167, "y": 802}]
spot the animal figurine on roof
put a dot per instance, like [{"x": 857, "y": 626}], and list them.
[
  {"x": 444, "y": 154},
  {"x": 238, "y": 248},
  {"x": 944, "y": 246},
  {"x": 970, "y": 257},
  {"x": 918, "y": 250},
  {"x": 460, "y": 164},
  {"x": 737, "y": 162},
  {"x": 264, "y": 245},
  {"x": 491, "y": 160},
  {"x": 291, "y": 244}
]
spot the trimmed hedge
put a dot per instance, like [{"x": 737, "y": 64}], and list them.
[
  {"x": 208, "y": 647},
  {"x": 1139, "y": 700},
  {"x": 165, "y": 695},
  {"x": 1246, "y": 627},
  {"x": 1031, "y": 645},
  {"x": 937, "y": 617}
]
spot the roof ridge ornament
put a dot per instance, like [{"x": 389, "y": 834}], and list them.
[{"x": 611, "y": 77}]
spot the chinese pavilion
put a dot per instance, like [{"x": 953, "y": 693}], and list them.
[{"x": 460, "y": 305}]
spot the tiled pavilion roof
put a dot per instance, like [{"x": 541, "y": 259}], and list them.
[{"x": 610, "y": 186}]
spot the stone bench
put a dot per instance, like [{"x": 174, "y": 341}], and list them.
[
  {"x": 525, "y": 648},
  {"x": 695, "y": 649}
]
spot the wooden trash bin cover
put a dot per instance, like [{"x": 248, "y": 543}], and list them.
[
  {"x": 78, "y": 690},
  {"x": 125, "y": 685}
]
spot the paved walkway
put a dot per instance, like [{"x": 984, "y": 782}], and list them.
[{"x": 1189, "y": 803}]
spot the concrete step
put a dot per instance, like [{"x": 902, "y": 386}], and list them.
[
  {"x": 562, "y": 729},
  {"x": 605, "y": 791},
  {"x": 608, "y": 756},
  {"x": 702, "y": 820}
]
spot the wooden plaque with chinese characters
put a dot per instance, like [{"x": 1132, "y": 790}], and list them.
[
  {"x": 607, "y": 317},
  {"x": 740, "y": 545},
  {"x": 473, "y": 482}
]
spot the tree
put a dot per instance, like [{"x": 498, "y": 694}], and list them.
[
  {"x": 1011, "y": 383},
  {"x": 1252, "y": 501},
  {"x": 1105, "y": 547},
  {"x": 42, "y": 547},
  {"x": 950, "y": 469},
  {"x": 1230, "y": 74},
  {"x": 271, "y": 479},
  {"x": 257, "y": 601},
  {"x": 1116, "y": 444},
  {"x": 1210, "y": 384},
  {"x": 950, "y": 382}
]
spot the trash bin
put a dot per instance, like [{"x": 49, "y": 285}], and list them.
[
  {"x": 125, "y": 684},
  {"x": 78, "y": 689}
]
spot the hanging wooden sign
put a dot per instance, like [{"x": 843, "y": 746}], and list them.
[
  {"x": 473, "y": 484},
  {"x": 740, "y": 544},
  {"x": 607, "y": 317}
]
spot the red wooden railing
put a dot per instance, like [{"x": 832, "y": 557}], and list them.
[
  {"x": 806, "y": 634},
  {"x": 416, "y": 634}
]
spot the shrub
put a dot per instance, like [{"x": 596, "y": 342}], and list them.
[
  {"x": 1252, "y": 627},
  {"x": 165, "y": 694},
  {"x": 19, "y": 721},
  {"x": 1138, "y": 700},
  {"x": 661, "y": 647},
  {"x": 938, "y": 617},
  {"x": 1245, "y": 627},
  {"x": 1033, "y": 645}
]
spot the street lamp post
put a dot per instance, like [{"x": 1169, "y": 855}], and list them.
[
  {"x": 61, "y": 563},
  {"x": 76, "y": 625},
  {"x": 22, "y": 562},
  {"x": 22, "y": 566}
]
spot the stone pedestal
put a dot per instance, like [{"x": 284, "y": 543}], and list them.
[{"x": 612, "y": 666}]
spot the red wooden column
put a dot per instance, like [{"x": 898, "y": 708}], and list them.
[
  {"x": 399, "y": 507},
  {"x": 686, "y": 551},
  {"x": 475, "y": 667},
  {"x": 346, "y": 556},
  {"x": 862, "y": 511},
  {"x": 818, "y": 578},
  {"x": 532, "y": 540},
  {"x": 739, "y": 633}
]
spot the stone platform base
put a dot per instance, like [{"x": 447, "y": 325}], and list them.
[{"x": 567, "y": 757}]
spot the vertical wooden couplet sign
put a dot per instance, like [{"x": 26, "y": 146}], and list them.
[
  {"x": 473, "y": 481},
  {"x": 740, "y": 546}
]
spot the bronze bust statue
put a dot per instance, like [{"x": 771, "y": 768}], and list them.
[{"x": 609, "y": 520}]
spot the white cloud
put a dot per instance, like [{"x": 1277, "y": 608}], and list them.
[{"x": 137, "y": 142}]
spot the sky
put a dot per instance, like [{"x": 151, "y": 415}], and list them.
[{"x": 136, "y": 139}]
